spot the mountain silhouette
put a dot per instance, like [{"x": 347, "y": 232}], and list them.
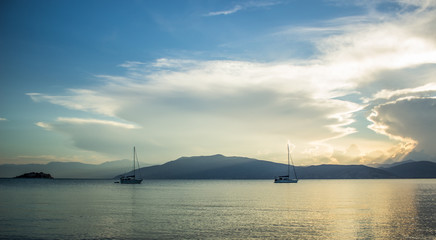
[{"x": 410, "y": 169}]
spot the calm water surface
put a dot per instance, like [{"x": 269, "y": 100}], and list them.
[{"x": 218, "y": 209}]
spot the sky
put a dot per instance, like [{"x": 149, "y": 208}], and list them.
[{"x": 345, "y": 82}]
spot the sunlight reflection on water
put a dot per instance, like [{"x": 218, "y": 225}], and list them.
[{"x": 216, "y": 209}]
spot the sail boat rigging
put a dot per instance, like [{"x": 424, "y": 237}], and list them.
[
  {"x": 286, "y": 178},
  {"x": 131, "y": 179}
]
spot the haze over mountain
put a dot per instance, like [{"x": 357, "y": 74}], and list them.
[{"x": 69, "y": 169}]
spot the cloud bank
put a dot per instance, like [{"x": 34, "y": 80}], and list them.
[
  {"x": 376, "y": 75},
  {"x": 410, "y": 120}
]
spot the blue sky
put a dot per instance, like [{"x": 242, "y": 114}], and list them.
[{"x": 345, "y": 82}]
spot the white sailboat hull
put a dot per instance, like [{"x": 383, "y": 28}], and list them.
[{"x": 130, "y": 181}]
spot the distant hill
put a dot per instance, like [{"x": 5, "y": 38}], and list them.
[
  {"x": 221, "y": 167},
  {"x": 410, "y": 169},
  {"x": 69, "y": 169},
  {"x": 343, "y": 172},
  {"x": 35, "y": 175},
  {"x": 213, "y": 167}
]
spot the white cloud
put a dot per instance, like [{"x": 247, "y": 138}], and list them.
[
  {"x": 80, "y": 99},
  {"x": 104, "y": 136},
  {"x": 3, "y": 119},
  {"x": 44, "y": 125},
  {"x": 225, "y": 12},
  {"x": 210, "y": 107},
  {"x": 131, "y": 64},
  {"x": 84, "y": 121},
  {"x": 96, "y": 121},
  {"x": 243, "y": 6},
  {"x": 332, "y": 27},
  {"x": 429, "y": 88}
]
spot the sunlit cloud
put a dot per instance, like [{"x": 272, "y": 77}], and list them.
[
  {"x": 429, "y": 88},
  {"x": 3, "y": 119},
  {"x": 410, "y": 120}
]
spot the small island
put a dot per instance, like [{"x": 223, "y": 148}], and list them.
[{"x": 35, "y": 175}]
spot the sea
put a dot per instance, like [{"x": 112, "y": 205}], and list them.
[{"x": 218, "y": 209}]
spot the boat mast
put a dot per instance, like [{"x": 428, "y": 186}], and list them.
[
  {"x": 288, "y": 160},
  {"x": 134, "y": 154},
  {"x": 137, "y": 163},
  {"x": 293, "y": 167}
]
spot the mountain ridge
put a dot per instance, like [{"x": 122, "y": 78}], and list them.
[
  {"x": 219, "y": 166},
  {"x": 423, "y": 169}
]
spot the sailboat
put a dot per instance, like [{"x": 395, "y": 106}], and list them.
[
  {"x": 287, "y": 179},
  {"x": 131, "y": 179}
]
